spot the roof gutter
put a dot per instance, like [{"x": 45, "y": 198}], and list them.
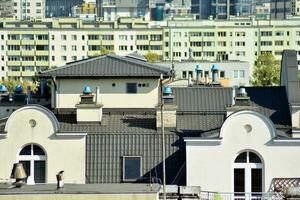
[{"x": 197, "y": 140}]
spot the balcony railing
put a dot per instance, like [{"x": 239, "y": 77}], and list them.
[{"x": 240, "y": 196}]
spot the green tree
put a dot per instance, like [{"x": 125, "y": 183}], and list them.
[
  {"x": 152, "y": 57},
  {"x": 266, "y": 71},
  {"x": 11, "y": 85}
]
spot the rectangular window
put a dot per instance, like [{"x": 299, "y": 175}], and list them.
[
  {"x": 222, "y": 74},
  {"x": 131, "y": 88},
  {"x": 235, "y": 73},
  {"x": 63, "y": 37},
  {"x": 132, "y": 168},
  {"x": 242, "y": 73}
]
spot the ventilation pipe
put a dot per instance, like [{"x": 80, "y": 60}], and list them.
[
  {"x": 199, "y": 71},
  {"x": 97, "y": 95},
  {"x": 215, "y": 74}
]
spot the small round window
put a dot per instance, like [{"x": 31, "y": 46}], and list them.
[{"x": 32, "y": 123}]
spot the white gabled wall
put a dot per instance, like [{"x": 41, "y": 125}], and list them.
[
  {"x": 210, "y": 165},
  {"x": 69, "y": 90},
  {"x": 63, "y": 153}
]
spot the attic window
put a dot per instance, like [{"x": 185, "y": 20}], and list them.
[
  {"x": 132, "y": 168},
  {"x": 131, "y": 88}
]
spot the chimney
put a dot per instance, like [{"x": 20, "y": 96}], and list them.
[
  {"x": 169, "y": 110},
  {"x": 290, "y": 80},
  {"x": 89, "y": 110},
  {"x": 240, "y": 101}
]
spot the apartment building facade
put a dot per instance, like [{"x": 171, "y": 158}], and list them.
[
  {"x": 29, "y": 9},
  {"x": 29, "y": 47}
]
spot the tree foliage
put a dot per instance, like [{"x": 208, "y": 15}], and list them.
[
  {"x": 11, "y": 85},
  {"x": 266, "y": 71},
  {"x": 152, "y": 57}
]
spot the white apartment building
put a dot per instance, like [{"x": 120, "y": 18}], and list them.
[
  {"x": 29, "y": 9},
  {"x": 32, "y": 46}
]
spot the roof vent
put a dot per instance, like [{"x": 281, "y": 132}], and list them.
[
  {"x": 167, "y": 90},
  {"x": 87, "y": 90},
  {"x": 242, "y": 98},
  {"x": 3, "y": 89},
  {"x": 215, "y": 75},
  {"x": 199, "y": 72},
  {"x": 242, "y": 92},
  {"x": 18, "y": 89}
]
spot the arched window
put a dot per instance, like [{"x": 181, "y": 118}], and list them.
[
  {"x": 33, "y": 159},
  {"x": 248, "y": 173}
]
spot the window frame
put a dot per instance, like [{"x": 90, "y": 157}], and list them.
[
  {"x": 32, "y": 158},
  {"x": 123, "y": 168},
  {"x": 131, "y": 92}
]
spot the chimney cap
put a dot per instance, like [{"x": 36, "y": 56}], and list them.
[
  {"x": 198, "y": 68},
  {"x": 87, "y": 90},
  {"x": 167, "y": 90},
  {"x": 18, "y": 89},
  {"x": 3, "y": 89},
  {"x": 215, "y": 67},
  {"x": 242, "y": 92}
]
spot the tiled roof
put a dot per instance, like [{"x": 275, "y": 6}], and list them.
[
  {"x": 115, "y": 123},
  {"x": 107, "y": 66},
  {"x": 204, "y": 99}
]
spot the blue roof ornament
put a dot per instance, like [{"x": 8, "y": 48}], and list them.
[
  {"x": 167, "y": 90},
  {"x": 215, "y": 67},
  {"x": 18, "y": 89},
  {"x": 87, "y": 90},
  {"x": 198, "y": 68},
  {"x": 3, "y": 89}
]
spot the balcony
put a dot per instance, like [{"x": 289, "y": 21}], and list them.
[
  {"x": 94, "y": 42},
  {"x": 42, "y": 63},
  {"x": 42, "y": 53},
  {"x": 93, "y": 53},
  {"x": 13, "y": 73},
  {"x": 28, "y": 63},
  {"x": 41, "y": 42},
  {"x": 13, "y": 63},
  {"x": 28, "y": 73},
  {"x": 13, "y": 53},
  {"x": 13, "y": 42},
  {"x": 27, "y": 42},
  {"x": 27, "y": 53}
]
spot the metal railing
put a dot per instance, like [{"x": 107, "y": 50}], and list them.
[{"x": 205, "y": 195}]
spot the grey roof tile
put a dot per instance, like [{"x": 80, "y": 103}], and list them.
[
  {"x": 107, "y": 66},
  {"x": 202, "y": 99},
  {"x": 115, "y": 123}
]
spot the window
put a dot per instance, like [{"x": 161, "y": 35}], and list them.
[
  {"x": 63, "y": 37},
  {"x": 131, "y": 88},
  {"x": 235, "y": 73},
  {"x": 74, "y": 58},
  {"x": 222, "y": 74},
  {"x": 33, "y": 159},
  {"x": 132, "y": 168},
  {"x": 64, "y": 48},
  {"x": 184, "y": 74},
  {"x": 38, "y": 4},
  {"x": 74, "y": 48},
  {"x": 242, "y": 73},
  {"x": 64, "y": 58},
  {"x": 247, "y": 173},
  {"x": 74, "y": 37}
]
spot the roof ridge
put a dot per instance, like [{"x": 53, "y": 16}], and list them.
[
  {"x": 141, "y": 63},
  {"x": 72, "y": 64}
]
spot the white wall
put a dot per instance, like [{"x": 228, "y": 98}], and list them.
[
  {"x": 211, "y": 165},
  {"x": 63, "y": 153},
  {"x": 69, "y": 91}
]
